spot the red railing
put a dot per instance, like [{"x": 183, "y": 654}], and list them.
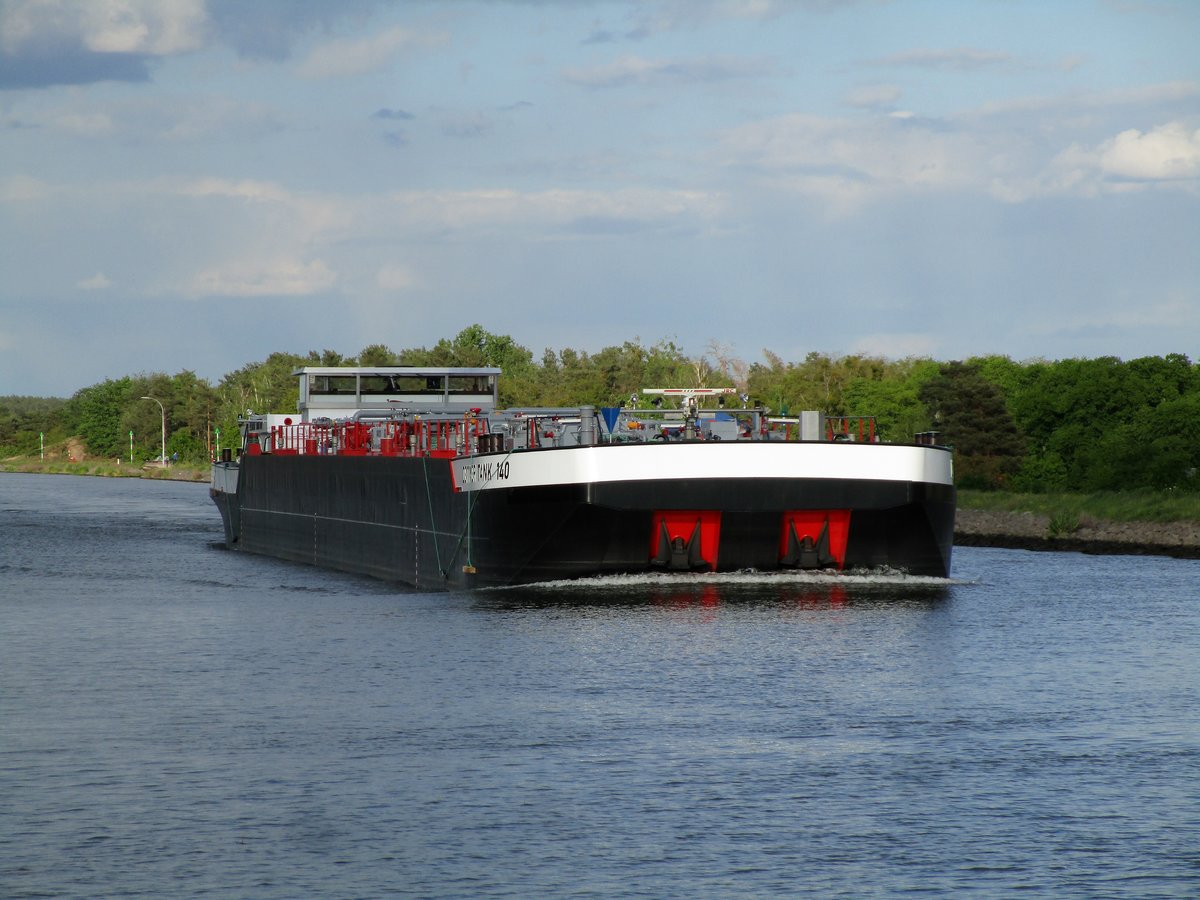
[
  {"x": 850, "y": 428},
  {"x": 420, "y": 437}
]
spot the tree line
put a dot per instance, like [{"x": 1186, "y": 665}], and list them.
[{"x": 1081, "y": 425}]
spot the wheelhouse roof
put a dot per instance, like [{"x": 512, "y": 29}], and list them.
[{"x": 397, "y": 370}]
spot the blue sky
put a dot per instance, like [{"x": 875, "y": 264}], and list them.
[{"x": 194, "y": 184}]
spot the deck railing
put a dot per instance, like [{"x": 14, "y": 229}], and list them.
[
  {"x": 471, "y": 434},
  {"x": 418, "y": 437},
  {"x": 850, "y": 428}
]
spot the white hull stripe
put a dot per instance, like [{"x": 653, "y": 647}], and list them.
[{"x": 666, "y": 462}]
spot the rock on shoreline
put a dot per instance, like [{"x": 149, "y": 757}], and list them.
[{"x": 1030, "y": 531}]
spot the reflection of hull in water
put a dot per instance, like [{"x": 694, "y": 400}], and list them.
[{"x": 709, "y": 596}]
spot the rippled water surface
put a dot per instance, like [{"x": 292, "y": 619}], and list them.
[{"x": 179, "y": 720}]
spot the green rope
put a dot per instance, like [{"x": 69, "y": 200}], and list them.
[
  {"x": 472, "y": 499},
  {"x": 432, "y": 524},
  {"x": 466, "y": 532}
]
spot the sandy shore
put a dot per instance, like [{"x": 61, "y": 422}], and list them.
[{"x": 1029, "y": 531}]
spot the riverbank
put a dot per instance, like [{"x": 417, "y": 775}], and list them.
[
  {"x": 105, "y": 468},
  {"x": 1036, "y": 531}
]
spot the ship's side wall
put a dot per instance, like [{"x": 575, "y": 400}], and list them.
[{"x": 392, "y": 518}]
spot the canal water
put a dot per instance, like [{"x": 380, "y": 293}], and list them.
[{"x": 180, "y": 720}]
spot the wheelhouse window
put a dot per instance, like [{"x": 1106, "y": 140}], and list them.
[
  {"x": 375, "y": 384},
  {"x": 470, "y": 384},
  {"x": 401, "y": 384},
  {"x": 332, "y": 384},
  {"x": 419, "y": 384}
]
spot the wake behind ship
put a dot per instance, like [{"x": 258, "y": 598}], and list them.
[{"x": 413, "y": 475}]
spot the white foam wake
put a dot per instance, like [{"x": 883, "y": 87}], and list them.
[{"x": 883, "y": 577}]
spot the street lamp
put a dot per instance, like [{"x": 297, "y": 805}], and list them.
[{"x": 164, "y": 427}]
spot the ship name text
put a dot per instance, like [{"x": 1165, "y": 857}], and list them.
[{"x": 473, "y": 473}]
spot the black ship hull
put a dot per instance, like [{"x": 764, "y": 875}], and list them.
[{"x": 409, "y": 520}]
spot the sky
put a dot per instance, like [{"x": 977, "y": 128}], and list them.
[{"x": 196, "y": 184}]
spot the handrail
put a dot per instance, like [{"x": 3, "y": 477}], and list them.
[
  {"x": 471, "y": 433},
  {"x": 418, "y": 437},
  {"x": 850, "y": 428}
]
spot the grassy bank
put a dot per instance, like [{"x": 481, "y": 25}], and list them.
[
  {"x": 1123, "y": 506},
  {"x": 105, "y": 468}
]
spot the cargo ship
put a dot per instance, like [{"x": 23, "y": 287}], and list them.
[{"x": 414, "y": 475}]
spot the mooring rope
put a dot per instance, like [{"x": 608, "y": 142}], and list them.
[
  {"x": 472, "y": 499},
  {"x": 437, "y": 550}
]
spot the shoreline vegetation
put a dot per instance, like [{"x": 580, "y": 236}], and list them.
[
  {"x": 105, "y": 468},
  {"x": 1143, "y": 523}
]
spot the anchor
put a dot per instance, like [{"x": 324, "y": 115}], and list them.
[
  {"x": 676, "y": 555},
  {"x": 806, "y": 553}
]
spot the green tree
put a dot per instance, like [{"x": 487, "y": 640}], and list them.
[
  {"x": 377, "y": 355},
  {"x": 261, "y": 387},
  {"x": 24, "y": 419},
  {"x": 971, "y": 414},
  {"x": 328, "y": 358},
  {"x": 1100, "y": 419},
  {"x": 267, "y": 386},
  {"x": 96, "y": 414},
  {"x": 475, "y": 346},
  {"x": 894, "y": 399},
  {"x": 819, "y": 382}
]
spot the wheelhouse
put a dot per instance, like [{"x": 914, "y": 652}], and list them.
[{"x": 342, "y": 392}]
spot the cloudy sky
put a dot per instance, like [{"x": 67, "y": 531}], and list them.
[{"x": 194, "y": 184}]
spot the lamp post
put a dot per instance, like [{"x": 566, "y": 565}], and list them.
[{"x": 163, "y": 409}]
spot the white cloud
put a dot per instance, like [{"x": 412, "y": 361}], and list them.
[
  {"x": 873, "y": 96},
  {"x": 144, "y": 26},
  {"x": 341, "y": 58},
  {"x": 1168, "y": 152},
  {"x": 97, "y": 282},
  {"x": 672, "y": 15},
  {"x": 395, "y": 278},
  {"x": 1171, "y": 92},
  {"x": 143, "y": 118},
  {"x": 1167, "y": 156},
  {"x": 641, "y": 71},
  {"x": 540, "y": 215},
  {"x": 245, "y": 189},
  {"x": 959, "y": 59},
  {"x": 849, "y": 160},
  {"x": 24, "y": 189},
  {"x": 277, "y": 213},
  {"x": 273, "y": 278},
  {"x": 1176, "y": 311},
  {"x": 150, "y": 27},
  {"x": 209, "y": 116},
  {"x": 1013, "y": 153},
  {"x": 94, "y": 124}
]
